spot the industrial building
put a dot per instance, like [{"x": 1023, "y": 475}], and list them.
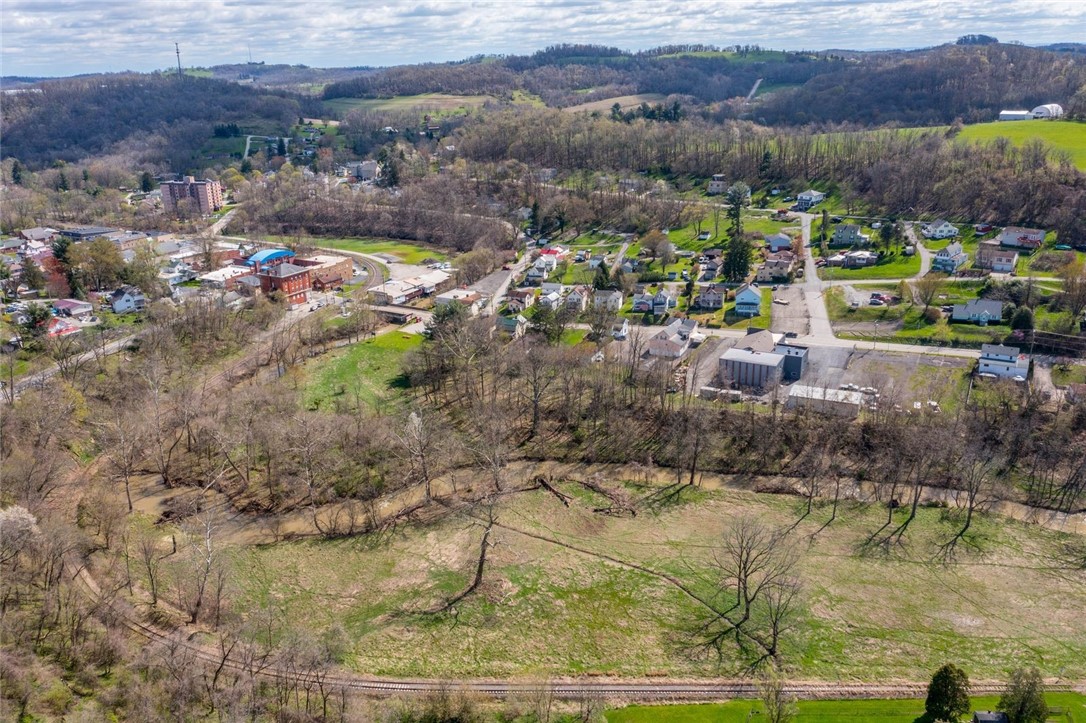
[{"x": 831, "y": 401}]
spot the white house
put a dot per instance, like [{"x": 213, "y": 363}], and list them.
[
  {"x": 809, "y": 198},
  {"x": 1005, "y": 262},
  {"x": 367, "y": 171},
  {"x": 778, "y": 242},
  {"x": 620, "y": 329},
  {"x": 1003, "y": 361},
  {"x": 1048, "y": 110},
  {"x": 673, "y": 340},
  {"x": 940, "y": 228},
  {"x": 1015, "y": 115},
  {"x": 718, "y": 185},
  {"x": 748, "y": 300},
  {"x": 550, "y": 300},
  {"x": 471, "y": 300},
  {"x": 949, "y": 259},
  {"x": 1023, "y": 238},
  {"x": 609, "y": 299},
  {"x": 577, "y": 298},
  {"x": 125, "y": 299}
]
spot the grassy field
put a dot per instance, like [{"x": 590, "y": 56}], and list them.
[
  {"x": 1072, "y": 707},
  {"x": 407, "y": 252},
  {"x": 551, "y": 605},
  {"x": 626, "y": 101},
  {"x": 1069, "y": 136},
  {"x": 428, "y": 101},
  {"x": 366, "y": 372},
  {"x": 888, "y": 267}
]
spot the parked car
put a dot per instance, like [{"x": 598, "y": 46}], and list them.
[{"x": 837, "y": 219}]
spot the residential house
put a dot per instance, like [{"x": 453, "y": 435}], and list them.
[
  {"x": 711, "y": 269},
  {"x": 748, "y": 300},
  {"x": 74, "y": 308},
  {"x": 367, "y": 171},
  {"x": 820, "y": 399},
  {"x": 551, "y": 300},
  {"x": 521, "y": 300},
  {"x": 938, "y": 229},
  {"x": 127, "y": 298},
  {"x": 620, "y": 329},
  {"x": 662, "y": 301},
  {"x": 1003, "y": 361},
  {"x": 555, "y": 251},
  {"x": 809, "y": 198},
  {"x": 718, "y": 184},
  {"x": 859, "y": 259},
  {"x": 777, "y": 268},
  {"x": 992, "y": 256},
  {"x": 469, "y": 299},
  {"x": 990, "y": 717},
  {"x": 713, "y": 253},
  {"x": 553, "y": 286},
  {"x": 642, "y": 303},
  {"x": 673, "y": 340},
  {"x": 978, "y": 311},
  {"x": 711, "y": 297},
  {"x": 747, "y": 368},
  {"x": 514, "y": 325},
  {"x": 611, "y": 299},
  {"x": 58, "y": 326},
  {"x": 577, "y": 298},
  {"x": 949, "y": 259},
  {"x": 1022, "y": 238},
  {"x": 848, "y": 234},
  {"x": 779, "y": 242}
]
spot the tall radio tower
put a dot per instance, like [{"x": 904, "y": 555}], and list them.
[{"x": 177, "y": 48}]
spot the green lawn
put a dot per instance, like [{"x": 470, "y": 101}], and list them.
[
  {"x": 1073, "y": 374},
  {"x": 368, "y": 371},
  {"x": 1065, "y": 135},
  {"x": 1072, "y": 707},
  {"x": 888, "y": 267},
  {"x": 407, "y": 252}
]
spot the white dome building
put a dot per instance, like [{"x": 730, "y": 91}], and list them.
[{"x": 1048, "y": 110}]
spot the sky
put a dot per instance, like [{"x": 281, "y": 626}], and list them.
[{"x": 66, "y": 37}]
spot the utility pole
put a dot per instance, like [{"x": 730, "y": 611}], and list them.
[{"x": 177, "y": 48}]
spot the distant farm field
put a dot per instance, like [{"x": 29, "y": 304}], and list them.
[
  {"x": 626, "y": 101},
  {"x": 427, "y": 101},
  {"x": 1067, "y": 136}
]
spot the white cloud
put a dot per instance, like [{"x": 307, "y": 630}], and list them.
[{"x": 62, "y": 37}]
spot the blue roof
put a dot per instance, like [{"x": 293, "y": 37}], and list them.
[{"x": 265, "y": 255}]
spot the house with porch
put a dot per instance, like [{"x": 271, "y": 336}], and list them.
[
  {"x": 949, "y": 259},
  {"x": 848, "y": 234},
  {"x": 809, "y": 199},
  {"x": 1022, "y": 238},
  {"x": 978, "y": 311},
  {"x": 748, "y": 300},
  {"x": 711, "y": 297},
  {"x": 610, "y": 299},
  {"x": 939, "y": 229}
]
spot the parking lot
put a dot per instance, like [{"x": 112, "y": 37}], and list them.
[{"x": 793, "y": 316}]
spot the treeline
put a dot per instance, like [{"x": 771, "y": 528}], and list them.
[
  {"x": 887, "y": 172},
  {"x": 165, "y": 117},
  {"x": 970, "y": 83},
  {"x": 561, "y": 75},
  {"x": 435, "y": 210}
]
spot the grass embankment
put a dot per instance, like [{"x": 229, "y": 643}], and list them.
[
  {"x": 406, "y": 252},
  {"x": 547, "y": 609},
  {"x": 1071, "y": 707},
  {"x": 366, "y": 372}
]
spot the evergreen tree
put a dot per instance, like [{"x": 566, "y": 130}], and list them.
[
  {"x": 246, "y": 166},
  {"x": 62, "y": 182},
  {"x": 736, "y": 265},
  {"x": 282, "y": 147},
  {"x": 32, "y": 276},
  {"x": 147, "y": 182},
  {"x": 17, "y": 172},
  {"x": 948, "y": 694}
]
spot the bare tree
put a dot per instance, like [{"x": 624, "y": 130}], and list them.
[
  {"x": 778, "y": 706},
  {"x": 755, "y": 593}
]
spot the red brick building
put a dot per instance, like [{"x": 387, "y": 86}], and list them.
[
  {"x": 206, "y": 195},
  {"x": 292, "y": 281}
]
